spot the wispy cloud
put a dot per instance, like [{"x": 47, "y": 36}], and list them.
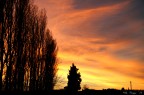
[{"x": 104, "y": 38}]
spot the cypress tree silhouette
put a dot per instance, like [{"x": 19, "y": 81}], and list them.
[{"x": 74, "y": 79}]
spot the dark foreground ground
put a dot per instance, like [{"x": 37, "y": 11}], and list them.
[{"x": 84, "y": 92}]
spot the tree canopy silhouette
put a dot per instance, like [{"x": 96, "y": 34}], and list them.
[
  {"x": 74, "y": 79},
  {"x": 27, "y": 49}
]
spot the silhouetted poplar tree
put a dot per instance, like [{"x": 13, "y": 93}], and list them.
[
  {"x": 50, "y": 61},
  {"x": 27, "y": 56},
  {"x": 74, "y": 79}
]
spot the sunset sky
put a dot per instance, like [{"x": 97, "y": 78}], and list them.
[{"x": 103, "y": 38}]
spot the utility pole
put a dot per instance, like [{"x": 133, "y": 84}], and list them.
[{"x": 130, "y": 85}]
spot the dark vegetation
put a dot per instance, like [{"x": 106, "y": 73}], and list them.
[
  {"x": 27, "y": 49},
  {"x": 74, "y": 80},
  {"x": 28, "y": 60}
]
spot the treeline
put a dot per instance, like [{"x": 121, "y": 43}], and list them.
[{"x": 27, "y": 49}]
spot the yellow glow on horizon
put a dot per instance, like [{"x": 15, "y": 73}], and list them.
[{"x": 103, "y": 73}]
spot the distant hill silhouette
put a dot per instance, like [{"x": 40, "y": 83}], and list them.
[{"x": 87, "y": 92}]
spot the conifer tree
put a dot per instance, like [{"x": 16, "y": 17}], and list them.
[{"x": 74, "y": 79}]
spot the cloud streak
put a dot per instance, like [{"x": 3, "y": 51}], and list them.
[{"x": 104, "y": 38}]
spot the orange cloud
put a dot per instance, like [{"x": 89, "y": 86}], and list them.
[{"x": 105, "y": 42}]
